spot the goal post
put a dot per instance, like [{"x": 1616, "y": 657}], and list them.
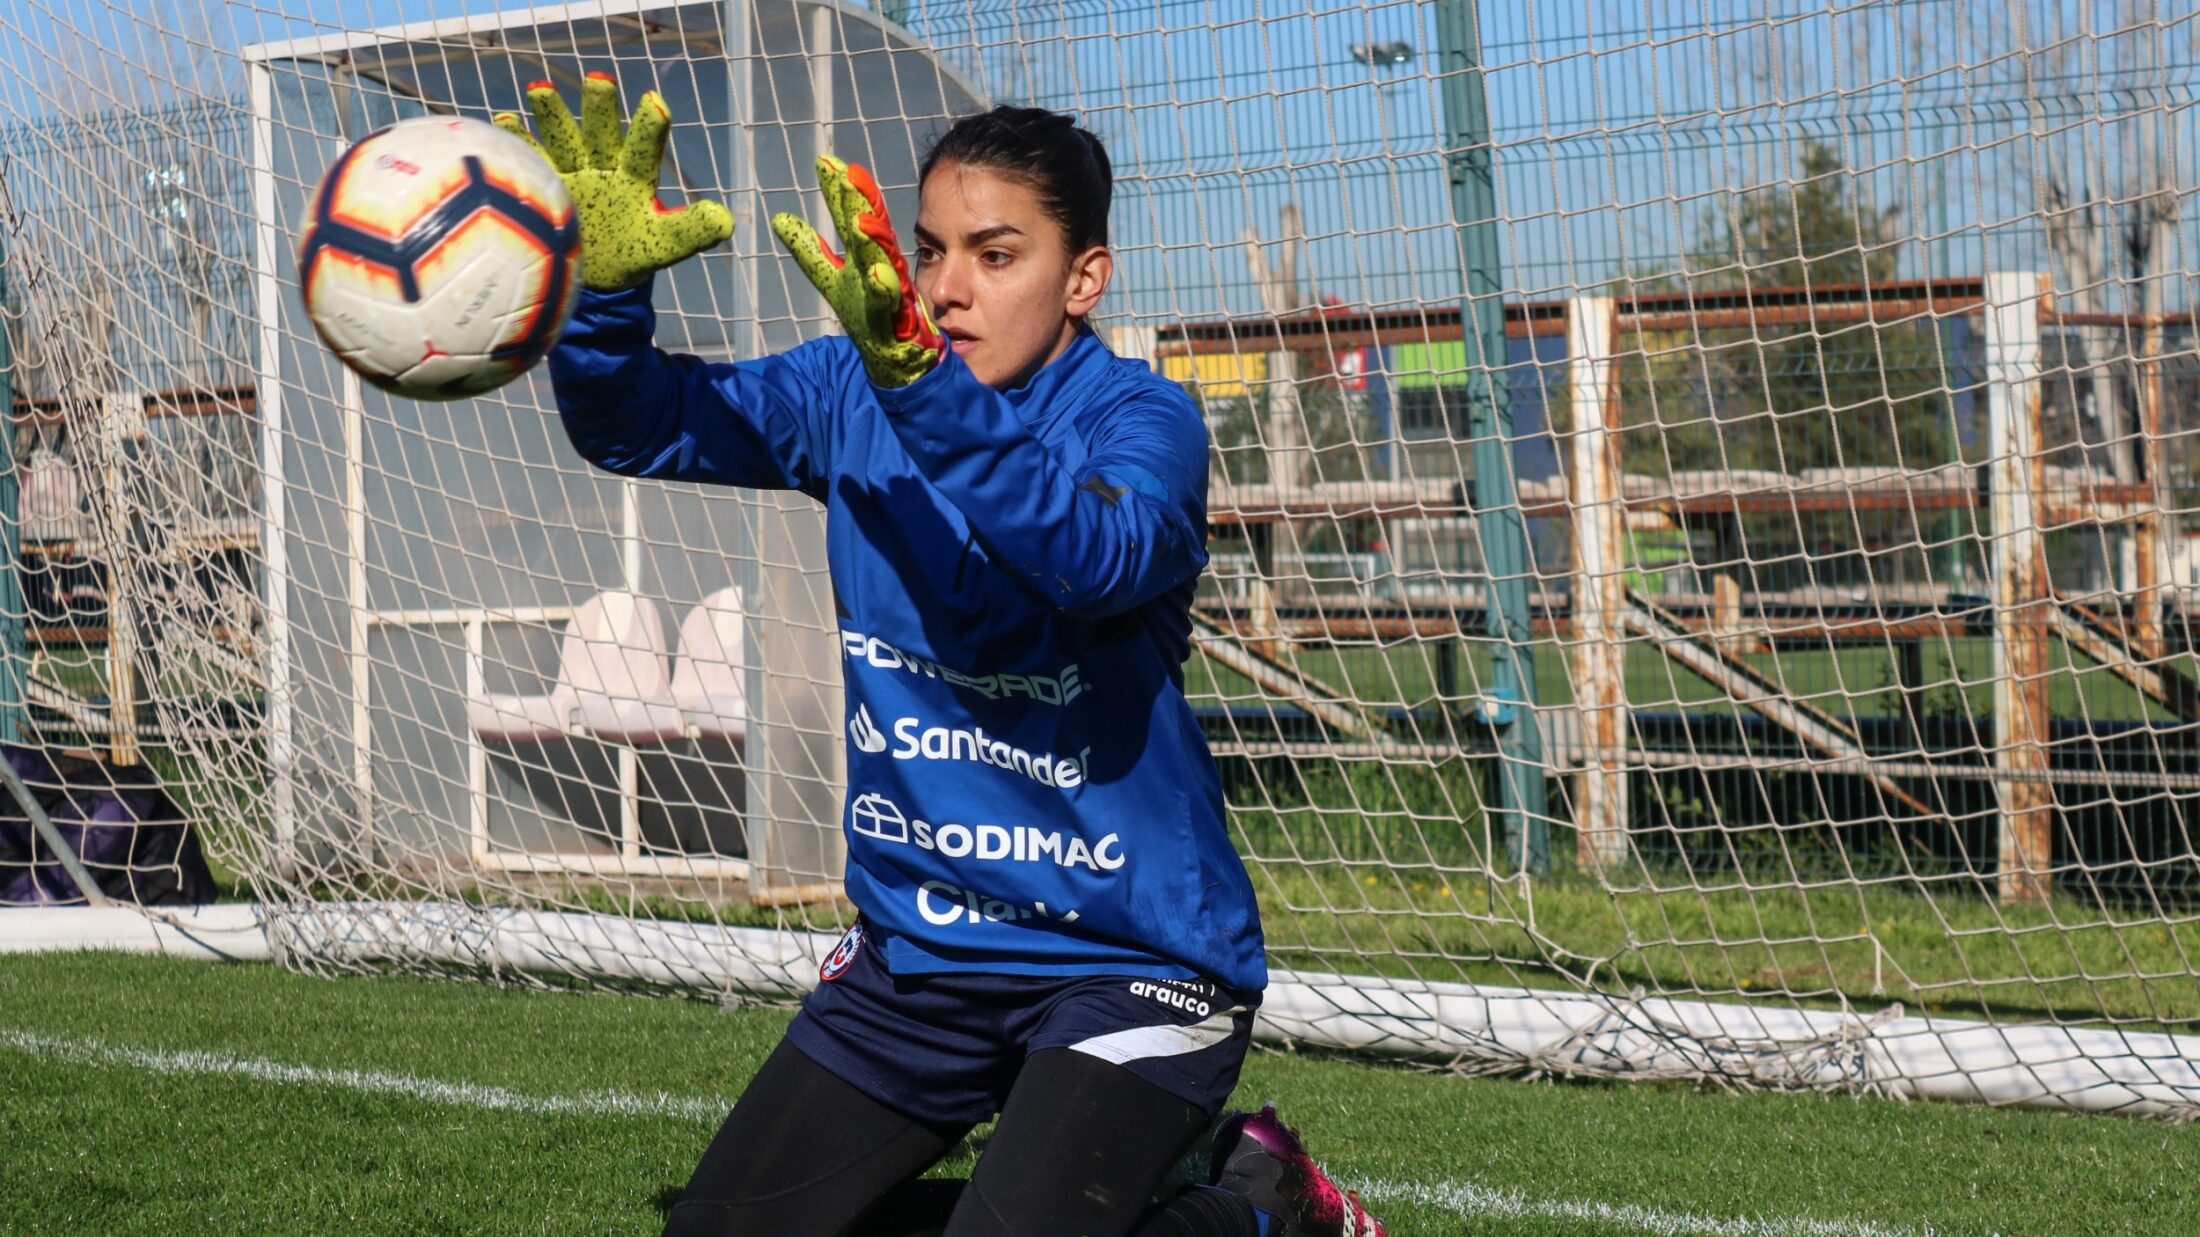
[
  {"x": 1700, "y": 517},
  {"x": 783, "y": 792}
]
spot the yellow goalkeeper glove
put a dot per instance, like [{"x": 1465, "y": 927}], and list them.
[
  {"x": 627, "y": 235},
  {"x": 870, "y": 289}
]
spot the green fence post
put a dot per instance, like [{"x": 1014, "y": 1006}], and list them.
[{"x": 1470, "y": 160}]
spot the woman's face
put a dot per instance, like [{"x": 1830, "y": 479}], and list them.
[{"x": 997, "y": 272}]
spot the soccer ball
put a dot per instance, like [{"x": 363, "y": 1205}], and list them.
[{"x": 440, "y": 258}]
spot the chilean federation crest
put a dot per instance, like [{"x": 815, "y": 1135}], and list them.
[{"x": 837, "y": 962}]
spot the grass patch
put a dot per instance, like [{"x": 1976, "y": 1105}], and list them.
[
  {"x": 1955, "y": 677},
  {"x": 112, "y": 1147},
  {"x": 1948, "y": 951}
]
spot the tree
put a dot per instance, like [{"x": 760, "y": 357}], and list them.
[
  {"x": 1811, "y": 231},
  {"x": 2100, "y": 90},
  {"x": 1787, "y": 395}
]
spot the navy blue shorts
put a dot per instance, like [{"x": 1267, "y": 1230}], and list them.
[{"x": 944, "y": 1049}]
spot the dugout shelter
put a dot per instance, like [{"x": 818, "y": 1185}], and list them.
[{"x": 425, "y": 558}]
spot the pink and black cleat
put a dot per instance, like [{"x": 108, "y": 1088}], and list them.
[{"x": 1260, "y": 1159}]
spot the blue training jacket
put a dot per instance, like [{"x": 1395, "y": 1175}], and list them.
[{"x": 1028, "y": 792}]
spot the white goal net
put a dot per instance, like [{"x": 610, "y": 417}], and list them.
[{"x": 1703, "y": 513}]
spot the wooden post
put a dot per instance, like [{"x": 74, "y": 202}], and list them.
[
  {"x": 2014, "y": 303},
  {"x": 1263, "y": 630},
  {"x": 1726, "y": 613},
  {"x": 1283, "y": 430},
  {"x": 1910, "y": 678},
  {"x": 121, "y": 432},
  {"x": 1600, "y": 586},
  {"x": 2151, "y": 531}
]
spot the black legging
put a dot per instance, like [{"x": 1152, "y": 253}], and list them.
[{"x": 1078, "y": 1150}]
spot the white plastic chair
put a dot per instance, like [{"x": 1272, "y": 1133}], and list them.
[
  {"x": 51, "y": 498},
  {"x": 509, "y": 717},
  {"x": 625, "y": 693},
  {"x": 707, "y": 675},
  {"x": 611, "y": 682}
]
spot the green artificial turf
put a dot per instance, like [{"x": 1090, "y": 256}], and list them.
[{"x": 153, "y": 1096}]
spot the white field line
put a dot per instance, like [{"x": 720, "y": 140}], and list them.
[
  {"x": 1478, "y": 1201},
  {"x": 1464, "y": 1199},
  {"x": 377, "y": 1082}
]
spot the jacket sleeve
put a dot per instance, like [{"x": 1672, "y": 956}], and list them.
[
  {"x": 1119, "y": 530},
  {"x": 641, "y": 412}
]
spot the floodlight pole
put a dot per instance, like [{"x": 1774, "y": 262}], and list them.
[{"x": 1509, "y": 703}]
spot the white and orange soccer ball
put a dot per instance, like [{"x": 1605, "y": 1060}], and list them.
[{"x": 441, "y": 257}]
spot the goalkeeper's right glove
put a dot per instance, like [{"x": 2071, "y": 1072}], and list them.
[{"x": 627, "y": 235}]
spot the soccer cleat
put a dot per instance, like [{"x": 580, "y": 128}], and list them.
[{"x": 1260, "y": 1158}]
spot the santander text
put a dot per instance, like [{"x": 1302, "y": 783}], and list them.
[{"x": 915, "y": 741}]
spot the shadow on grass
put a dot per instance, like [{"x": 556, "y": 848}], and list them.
[{"x": 667, "y": 1195}]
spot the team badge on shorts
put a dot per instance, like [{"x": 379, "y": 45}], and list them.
[{"x": 837, "y": 962}]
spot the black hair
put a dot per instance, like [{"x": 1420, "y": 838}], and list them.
[{"x": 1043, "y": 149}]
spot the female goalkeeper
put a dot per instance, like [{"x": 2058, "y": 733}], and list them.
[{"x": 1053, "y": 924}]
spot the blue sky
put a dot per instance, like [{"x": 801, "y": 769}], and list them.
[{"x": 1617, "y": 134}]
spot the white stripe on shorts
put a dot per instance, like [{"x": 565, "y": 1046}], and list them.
[{"x": 1168, "y": 1040}]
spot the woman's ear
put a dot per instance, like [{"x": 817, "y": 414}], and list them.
[{"x": 1089, "y": 273}]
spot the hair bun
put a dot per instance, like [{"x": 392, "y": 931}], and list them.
[
  {"x": 1099, "y": 153},
  {"x": 1074, "y": 180}
]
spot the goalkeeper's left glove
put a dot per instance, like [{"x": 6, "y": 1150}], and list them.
[
  {"x": 627, "y": 235},
  {"x": 870, "y": 289}
]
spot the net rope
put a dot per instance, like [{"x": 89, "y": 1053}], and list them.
[{"x": 1826, "y": 651}]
